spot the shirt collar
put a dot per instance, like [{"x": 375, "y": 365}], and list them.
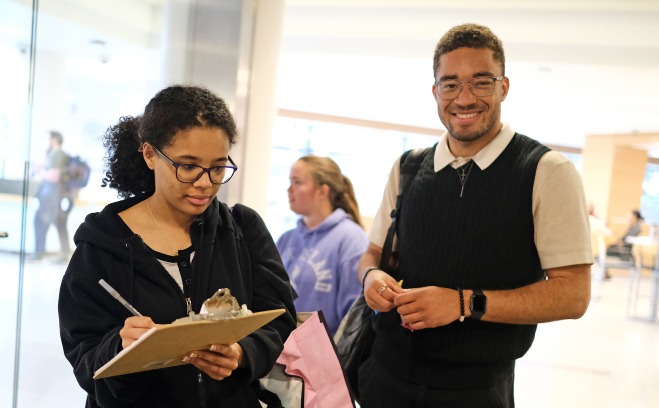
[{"x": 484, "y": 158}]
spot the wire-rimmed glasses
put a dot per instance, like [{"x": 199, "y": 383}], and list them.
[{"x": 480, "y": 86}]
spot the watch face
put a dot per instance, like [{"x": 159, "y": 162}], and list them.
[{"x": 478, "y": 303}]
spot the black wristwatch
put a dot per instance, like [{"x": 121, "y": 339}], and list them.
[{"x": 477, "y": 304}]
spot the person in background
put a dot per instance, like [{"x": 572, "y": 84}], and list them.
[
  {"x": 322, "y": 252},
  {"x": 493, "y": 239},
  {"x": 621, "y": 248},
  {"x": 597, "y": 224},
  {"x": 51, "y": 192},
  {"x": 167, "y": 246},
  {"x": 598, "y": 233}
]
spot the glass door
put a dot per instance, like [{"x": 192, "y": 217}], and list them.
[
  {"x": 17, "y": 56},
  {"x": 69, "y": 71}
]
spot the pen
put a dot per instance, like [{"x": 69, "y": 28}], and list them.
[{"x": 117, "y": 296}]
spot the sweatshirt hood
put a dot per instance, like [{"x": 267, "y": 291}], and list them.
[{"x": 328, "y": 223}]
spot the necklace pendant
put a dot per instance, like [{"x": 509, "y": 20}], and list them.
[{"x": 463, "y": 174}]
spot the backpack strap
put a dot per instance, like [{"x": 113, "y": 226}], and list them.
[{"x": 410, "y": 162}]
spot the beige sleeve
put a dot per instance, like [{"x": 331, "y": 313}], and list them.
[
  {"x": 382, "y": 219},
  {"x": 560, "y": 215}
]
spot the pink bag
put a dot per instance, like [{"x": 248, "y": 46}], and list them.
[{"x": 310, "y": 354}]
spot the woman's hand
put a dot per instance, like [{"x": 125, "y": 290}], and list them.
[
  {"x": 134, "y": 327},
  {"x": 218, "y": 362}
]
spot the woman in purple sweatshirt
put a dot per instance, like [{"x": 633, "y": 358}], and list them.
[{"x": 322, "y": 252}]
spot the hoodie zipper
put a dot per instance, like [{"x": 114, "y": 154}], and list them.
[
  {"x": 188, "y": 305},
  {"x": 185, "y": 269}
]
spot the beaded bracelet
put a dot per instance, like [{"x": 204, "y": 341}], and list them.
[
  {"x": 367, "y": 272},
  {"x": 462, "y": 305}
]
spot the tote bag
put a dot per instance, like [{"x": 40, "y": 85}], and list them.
[{"x": 307, "y": 373}]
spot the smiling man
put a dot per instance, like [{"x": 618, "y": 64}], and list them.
[{"x": 493, "y": 239}]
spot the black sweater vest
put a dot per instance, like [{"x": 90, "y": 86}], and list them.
[{"x": 482, "y": 240}]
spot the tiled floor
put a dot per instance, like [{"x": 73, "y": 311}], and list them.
[{"x": 604, "y": 359}]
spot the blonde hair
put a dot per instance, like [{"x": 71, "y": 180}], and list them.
[{"x": 325, "y": 171}]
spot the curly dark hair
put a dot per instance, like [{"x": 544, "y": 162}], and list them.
[
  {"x": 171, "y": 110},
  {"x": 469, "y": 36}
]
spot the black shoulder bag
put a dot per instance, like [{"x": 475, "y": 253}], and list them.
[{"x": 354, "y": 338}]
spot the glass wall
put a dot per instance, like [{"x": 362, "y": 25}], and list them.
[
  {"x": 73, "y": 67},
  {"x": 15, "y": 40},
  {"x": 650, "y": 198}
]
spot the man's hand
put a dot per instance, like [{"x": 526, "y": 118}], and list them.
[
  {"x": 380, "y": 289},
  {"x": 428, "y": 307}
]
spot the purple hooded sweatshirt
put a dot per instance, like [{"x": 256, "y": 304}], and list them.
[{"x": 322, "y": 265}]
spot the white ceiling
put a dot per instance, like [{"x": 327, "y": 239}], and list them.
[{"x": 576, "y": 67}]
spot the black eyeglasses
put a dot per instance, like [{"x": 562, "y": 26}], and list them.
[
  {"x": 480, "y": 86},
  {"x": 189, "y": 173}
]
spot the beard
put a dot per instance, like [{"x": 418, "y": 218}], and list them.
[{"x": 471, "y": 134}]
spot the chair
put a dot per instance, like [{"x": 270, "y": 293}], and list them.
[
  {"x": 613, "y": 257},
  {"x": 646, "y": 255}
]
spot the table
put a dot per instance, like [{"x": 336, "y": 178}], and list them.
[{"x": 639, "y": 243}]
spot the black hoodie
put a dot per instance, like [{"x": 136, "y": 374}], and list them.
[{"x": 243, "y": 259}]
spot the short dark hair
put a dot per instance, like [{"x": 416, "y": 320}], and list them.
[
  {"x": 57, "y": 136},
  {"x": 469, "y": 36}
]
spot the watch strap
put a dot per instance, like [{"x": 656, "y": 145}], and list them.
[{"x": 477, "y": 304}]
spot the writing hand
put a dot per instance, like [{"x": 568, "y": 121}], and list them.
[{"x": 134, "y": 327}]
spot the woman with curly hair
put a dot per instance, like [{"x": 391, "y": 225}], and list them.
[{"x": 167, "y": 246}]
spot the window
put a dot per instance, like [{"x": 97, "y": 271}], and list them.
[
  {"x": 365, "y": 155},
  {"x": 650, "y": 197}
]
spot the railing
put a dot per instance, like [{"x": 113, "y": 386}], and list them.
[{"x": 641, "y": 245}]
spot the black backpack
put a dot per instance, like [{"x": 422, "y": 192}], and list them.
[
  {"x": 354, "y": 338},
  {"x": 76, "y": 174},
  {"x": 409, "y": 165}
]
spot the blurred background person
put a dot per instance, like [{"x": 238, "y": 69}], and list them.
[
  {"x": 621, "y": 248},
  {"x": 598, "y": 234},
  {"x": 597, "y": 224},
  {"x": 51, "y": 192},
  {"x": 321, "y": 254}
]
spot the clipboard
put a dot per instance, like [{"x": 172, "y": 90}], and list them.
[{"x": 165, "y": 345}]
